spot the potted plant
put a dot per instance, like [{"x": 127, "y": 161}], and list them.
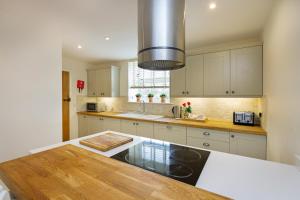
[
  {"x": 163, "y": 98},
  {"x": 150, "y": 97},
  {"x": 187, "y": 109},
  {"x": 138, "y": 97}
]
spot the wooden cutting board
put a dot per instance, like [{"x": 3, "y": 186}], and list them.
[{"x": 106, "y": 141}]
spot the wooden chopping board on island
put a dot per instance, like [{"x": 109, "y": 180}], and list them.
[{"x": 106, "y": 141}]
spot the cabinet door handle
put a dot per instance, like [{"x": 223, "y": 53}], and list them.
[
  {"x": 232, "y": 92},
  {"x": 183, "y": 92},
  {"x": 187, "y": 92},
  {"x": 133, "y": 123},
  {"x": 169, "y": 127},
  {"x": 137, "y": 124},
  {"x": 206, "y": 144},
  {"x": 232, "y": 136},
  {"x": 206, "y": 133},
  {"x": 227, "y": 92}
]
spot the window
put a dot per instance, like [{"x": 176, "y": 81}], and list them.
[{"x": 146, "y": 81}]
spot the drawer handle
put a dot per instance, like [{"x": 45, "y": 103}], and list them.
[
  {"x": 206, "y": 133},
  {"x": 206, "y": 144}
]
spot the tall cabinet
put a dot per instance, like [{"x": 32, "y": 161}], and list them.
[{"x": 104, "y": 82}]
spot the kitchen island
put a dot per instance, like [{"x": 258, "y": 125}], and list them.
[{"x": 228, "y": 175}]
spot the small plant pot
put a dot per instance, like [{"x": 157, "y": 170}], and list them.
[
  {"x": 162, "y": 99},
  {"x": 150, "y": 99},
  {"x": 138, "y": 99}
]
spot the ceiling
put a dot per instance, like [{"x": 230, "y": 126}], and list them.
[{"x": 88, "y": 22}]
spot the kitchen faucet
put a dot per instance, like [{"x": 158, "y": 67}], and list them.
[{"x": 144, "y": 106}]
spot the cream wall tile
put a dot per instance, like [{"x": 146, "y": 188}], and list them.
[{"x": 213, "y": 108}]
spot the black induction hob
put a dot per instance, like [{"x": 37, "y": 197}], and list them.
[{"x": 184, "y": 164}]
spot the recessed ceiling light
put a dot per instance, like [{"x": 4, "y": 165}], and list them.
[
  {"x": 79, "y": 47},
  {"x": 107, "y": 38},
  {"x": 212, "y": 5}
]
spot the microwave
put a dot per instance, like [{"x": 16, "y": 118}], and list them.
[
  {"x": 244, "y": 118},
  {"x": 95, "y": 107}
]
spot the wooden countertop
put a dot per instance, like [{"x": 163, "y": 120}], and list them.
[
  {"x": 208, "y": 124},
  {"x": 70, "y": 172}
]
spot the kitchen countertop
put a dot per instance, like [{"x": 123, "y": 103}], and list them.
[
  {"x": 233, "y": 176},
  {"x": 70, "y": 172},
  {"x": 208, "y": 124}
]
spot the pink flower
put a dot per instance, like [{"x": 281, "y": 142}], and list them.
[
  {"x": 184, "y": 104},
  {"x": 188, "y": 103}
]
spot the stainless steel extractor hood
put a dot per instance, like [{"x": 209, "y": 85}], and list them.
[{"x": 161, "y": 30}]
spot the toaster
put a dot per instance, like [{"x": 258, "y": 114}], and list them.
[{"x": 244, "y": 118}]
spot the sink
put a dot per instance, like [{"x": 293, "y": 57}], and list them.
[{"x": 140, "y": 116}]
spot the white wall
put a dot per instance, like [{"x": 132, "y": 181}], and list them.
[
  {"x": 282, "y": 81},
  {"x": 30, "y": 77},
  {"x": 77, "y": 71}
]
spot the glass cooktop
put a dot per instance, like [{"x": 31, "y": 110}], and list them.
[{"x": 181, "y": 163}]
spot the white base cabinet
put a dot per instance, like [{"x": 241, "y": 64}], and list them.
[
  {"x": 111, "y": 124},
  {"x": 208, "y": 144},
  {"x": 236, "y": 143},
  {"x": 170, "y": 133},
  {"x": 88, "y": 125},
  {"x": 248, "y": 145},
  {"x": 82, "y": 126},
  {"x": 208, "y": 139},
  {"x": 143, "y": 129}
]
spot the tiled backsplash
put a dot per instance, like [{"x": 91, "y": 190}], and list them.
[{"x": 213, "y": 108}]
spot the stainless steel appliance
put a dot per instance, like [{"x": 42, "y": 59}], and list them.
[
  {"x": 95, "y": 107},
  {"x": 181, "y": 163},
  {"x": 176, "y": 110},
  {"x": 244, "y": 118},
  {"x": 161, "y": 30}
]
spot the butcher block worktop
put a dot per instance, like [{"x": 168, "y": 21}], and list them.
[
  {"x": 209, "y": 124},
  {"x": 70, "y": 172}
]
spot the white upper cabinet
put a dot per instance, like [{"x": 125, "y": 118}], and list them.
[
  {"x": 188, "y": 81},
  {"x": 217, "y": 74},
  {"x": 235, "y": 73},
  {"x": 92, "y": 83},
  {"x": 194, "y": 76},
  {"x": 177, "y": 82},
  {"x": 104, "y": 82},
  {"x": 247, "y": 72}
]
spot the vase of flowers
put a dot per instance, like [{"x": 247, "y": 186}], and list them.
[
  {"x": 138, "y": 97},
  {"x": 163, "y": 98},
  {"x": 187, "y": 109},
  {"x": 150, "y": 97}
]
